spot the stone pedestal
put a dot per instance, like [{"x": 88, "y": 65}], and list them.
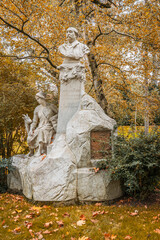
[
  {"x": 70, "y": 96},
  {"x": 67, "y": 172}
]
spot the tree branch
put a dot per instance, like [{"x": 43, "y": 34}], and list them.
[
  {"x": 30, "y": 37},
  {"x": 105, "y": 34},
  {"x": 3, "y": 6},
  {"x": 18, "y": 8},
  {"x": 101, "y": 5},
  {"x": 29, "y": 57},
  {"x": 61, "y": 3}
]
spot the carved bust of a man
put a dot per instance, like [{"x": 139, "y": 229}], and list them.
[{"x": 72, "y": 51}]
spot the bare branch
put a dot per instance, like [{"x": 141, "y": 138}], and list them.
[
  {"x": 114, "y": 19},
  {"x": 100, "y": 4},
  {"x": 29, "y": 57},
  {"x": 30, "y": 37},
  {"x": 104, "y": 63},
  {"x": 115, "y": 67},
  {"x": 18, "y": 8},
  {"x": 87, "y": 15},
  {"x": 24, "y": 24},
  {"x": 61, "y": 3},
  {"x": 105, "y": 34},
  {"x": 3, "y": 6}
]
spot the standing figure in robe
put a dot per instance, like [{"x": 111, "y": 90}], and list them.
[{"x": 43, "y": 126}]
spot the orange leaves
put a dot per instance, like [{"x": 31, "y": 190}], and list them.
[
  {"x": 3, "y": 222},
  {"x": 17, "y": 230},
  {"x": 108, "y": 236},
  {"x": 98, "y": 213},
  {"x": 82, "y": 217},
  {"x": 44, "y": 156},
  {"x": 157, "y": 231}
]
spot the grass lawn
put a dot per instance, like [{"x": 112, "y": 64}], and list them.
[{"x": 126, "y": 219}]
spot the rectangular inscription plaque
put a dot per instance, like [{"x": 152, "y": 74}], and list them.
[{"x": 100, "y": 144}]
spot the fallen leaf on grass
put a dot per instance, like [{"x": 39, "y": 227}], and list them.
[
  {"x": 60, "y": 223},
  {"x": 108, "y": 236},
  {"x": 28, "y": 224},
  {"x": 82, "y": 217},
  {"x": 29, "y": 216},
  {"x": 31, "y": 232},
  {"x": 45, "y": 206},
  {"x": 128, "y": 237},
  {"x": 56, "y": 230},
  {"x": 81, "y": 222},
  {"x": 34, "y": 208},
  {"x": 135, "y": 213},
  {"x": 84, "y": 238},
  {"x": 157, "y": 231},
  {"x": 17, "y": 230},
  {"x": 2, "y": 208},
  {"x": 3, "y": 222},
  {"x": 5, "y": 226},
  {"x": 48, "y": 224},
  {"x": 47, "y": 232},
  {"x": 94, "y": 220},
  {"x": 98, "y": 213},
  {"x": 16, "y": 218},
  {"x": 53, "y": 214},
  {"x": 39, "y": 234},
  {"x": 66, "y": 214},
  {"x": 18, "y": 211}
]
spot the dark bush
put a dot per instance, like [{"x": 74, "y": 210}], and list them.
[
  {"x": 136, "y": 162},
  {"x": 5, "y": 167}
]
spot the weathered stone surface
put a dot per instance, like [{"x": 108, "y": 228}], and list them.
[
  {"x": 96, "y": 186},
  {"x": 66, "y": 173},
  {"x": 48, "y": 179},
  {"x": 90, "y": 116},
  {"x": 70, "y": 96}
]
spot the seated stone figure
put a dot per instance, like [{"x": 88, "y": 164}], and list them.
[{"x": 43, "y": 127}]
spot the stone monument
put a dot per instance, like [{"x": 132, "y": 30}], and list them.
[{"x": 66, "y": 173}]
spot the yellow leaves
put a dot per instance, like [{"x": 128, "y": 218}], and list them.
[
  {"x": 18, "y": 210},
  {"x": 16, "y": 230},
  {"x": 34, "y": 208}
]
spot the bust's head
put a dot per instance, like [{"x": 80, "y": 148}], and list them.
[{"x": 71, "y": 34}]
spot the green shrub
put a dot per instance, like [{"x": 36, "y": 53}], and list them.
[
  {"x": 5, "y": 167},
  {"x": 136, "y": 162}
]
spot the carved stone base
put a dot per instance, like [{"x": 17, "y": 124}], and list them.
[
  {"x": 67, "y": 172},
  {"x": 96, "y": 186}
]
